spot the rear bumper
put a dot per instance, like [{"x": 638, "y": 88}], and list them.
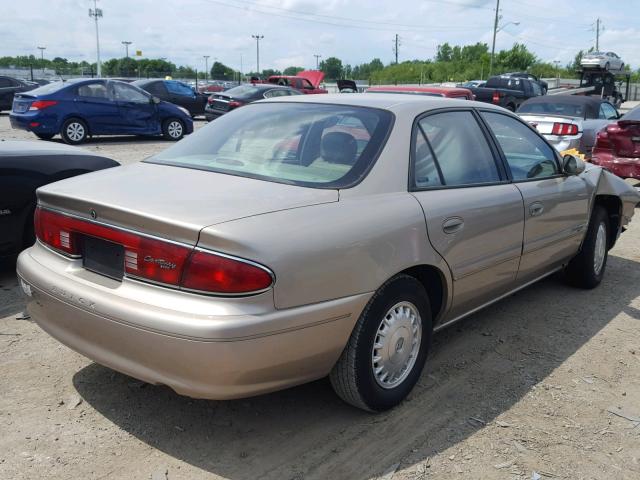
[
  {"x": 207, "y": 349},
  {"x": 34, "y": 122},
  {"x": 211, "y": 114},
  {"x": 621, "y": 166}
]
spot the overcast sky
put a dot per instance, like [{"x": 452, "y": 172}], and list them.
[{"x": 294, "y": 30}]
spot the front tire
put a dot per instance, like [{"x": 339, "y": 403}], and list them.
[
  {"x": 74, "y": 131},
  {"x": 388, "y": 347},
  {"x": 587, "y": 268},
  {"x": 173, "y": 129}
]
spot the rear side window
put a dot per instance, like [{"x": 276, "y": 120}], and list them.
[
  {"x": 458, "y": 147},
  {"x": 608, "y": 112},
  {"x": 528, "y": 155},
  {"x": 156, "y": 88},
  {"x": 178, "y": 88},
  {"x": 93, "y": 90},
  {"x": 5, "y": 82}
]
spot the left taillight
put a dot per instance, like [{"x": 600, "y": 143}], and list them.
[
  {"x": 42, "y": 104},
  {"x": 156, "y": 260},
  {"x": 564, "y": 129}
]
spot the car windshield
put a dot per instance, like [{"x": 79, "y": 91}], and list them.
[
  {"x": 564, "y": 109},
  {"x": 313, "y": 145}
]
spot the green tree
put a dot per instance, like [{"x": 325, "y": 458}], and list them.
[
  {"x": 292, "y": 70},
  {"x": 220, "y": 71},
  {"x": 332, "y": 68}
]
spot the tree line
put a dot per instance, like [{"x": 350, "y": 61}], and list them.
[{"x": 450, "y": 64}]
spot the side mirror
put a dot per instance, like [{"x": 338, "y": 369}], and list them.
[
  {"x": 155, "y": 100},
  {"x": 572, "y": 165}
]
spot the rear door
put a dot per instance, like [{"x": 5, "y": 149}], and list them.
[
  {"x": 138, "y": 113},
  {"x": 474, "y": 215},
  {"x": 555, "y": 205},
  {"x": 94, "y": 105},
  {"x": 181, "y": 94}
]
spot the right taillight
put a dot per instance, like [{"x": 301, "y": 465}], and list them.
[
  {"x": 496, "y": 97},
  {"x": 564, "y": 129},
  {"x": 214, "y": 273},
  {"x": 154, "y": 259}
]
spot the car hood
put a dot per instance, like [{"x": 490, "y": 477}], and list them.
[
  {"x": 173, "y": 202},
  {"x": 314, "y": 76},
  {"x": 342, "y": 84}
]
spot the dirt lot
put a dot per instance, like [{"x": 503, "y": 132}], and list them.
[{"x": 546, "y": 381}]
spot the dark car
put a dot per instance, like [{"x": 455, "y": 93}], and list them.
[
  {"x": 9, "y": 87},
  {"x": 25, "y": 166},
  {"x": 175, "y": 92},
  {"x": 544, "y": 85},
  {"x": 77, "y": 109},
  {"x": 508, "y": 92},
  {"x": 221, "y": 103},
  {"x": 617, "y": 146}
]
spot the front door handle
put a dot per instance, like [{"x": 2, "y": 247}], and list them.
[
  {"x": 452, "y": 225},
  {"x": 536, "y": 209}
]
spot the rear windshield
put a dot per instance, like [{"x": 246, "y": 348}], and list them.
[
  {"x": 564, "y": 109},
  {"x": 312, "y": 145},
  {"x": 243, "y": 91},
  {"x": 505, "y": 82},
  {"x": 48, "y": 88},
  {"x": 632, "y": 114}
]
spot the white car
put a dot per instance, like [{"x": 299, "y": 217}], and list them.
[{"x": 606, "y": 60}]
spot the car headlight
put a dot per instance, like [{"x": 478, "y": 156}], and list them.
[{"x": 185, "y": 111}]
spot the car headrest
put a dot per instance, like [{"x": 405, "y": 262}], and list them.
[{"x": 339, "y": 147}]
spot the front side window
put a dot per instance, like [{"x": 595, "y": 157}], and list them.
[
  {"x": 178, "y": 88},
  {"x": 324, "y": 146},
  {"x": 528, "y": 155},
  {"x": 460, "y": 150},
  {"x": 126, "y": 93}
]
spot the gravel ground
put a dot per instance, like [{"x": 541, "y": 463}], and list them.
[{"x": 546, "y": 381}]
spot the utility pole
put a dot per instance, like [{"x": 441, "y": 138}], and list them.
[
  {"x": 258, "y": 38},
  {"x": 240, "y": 77},
  {"x": 206, "y": 67},
  {"x": 96, "y": 13},
  {"x": 42, "y": 49},
  {"x": 126, "y": 44},
  {"x": 395, "y": 47},
  {"x": 317, "y": 60},
  {"x": 495, "y": 31}
]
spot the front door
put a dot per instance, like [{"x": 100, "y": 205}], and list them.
[
  {"x": 185, "y": 96},
  {"x": 474, "y": 216},
  {"x": 555, "y": 205},
  {"x": 137, "y": 112}
]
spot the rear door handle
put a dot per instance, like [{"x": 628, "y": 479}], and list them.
[
  {"x": 452, "y": 225},
  {"x": 536, "y": 209}
]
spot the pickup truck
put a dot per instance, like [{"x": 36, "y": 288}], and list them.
[
  {"x": 307, "y": 82},
  {"x": 506, "y": 91}
]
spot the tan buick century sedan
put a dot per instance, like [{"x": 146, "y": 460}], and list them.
[{"x": 308, "y": 236}]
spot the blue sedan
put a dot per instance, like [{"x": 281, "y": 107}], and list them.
[{"x": 77, "y": 109}]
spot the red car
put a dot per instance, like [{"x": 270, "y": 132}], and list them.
[
  {"x": 617, "y": 146},
  {"x": 448, "y": 92},
  {"x": 307, "y": 81}
]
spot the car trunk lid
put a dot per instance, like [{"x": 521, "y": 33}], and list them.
[
  {"x": 22, "y": 102},
  {"x": 173, "y": 202},
  {"x": 549, "y": 124}
]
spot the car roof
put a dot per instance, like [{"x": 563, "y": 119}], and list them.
[
  {"x": 26, "y": 148},
  {"x": 567, "y": 99},
  {"x": 402, "y": 88},
  {"x": 395, "y": 102}
]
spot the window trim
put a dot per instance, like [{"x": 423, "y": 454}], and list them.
[
  {"x": 503, "y": 156},
  {"x": 412, "y": 187}
]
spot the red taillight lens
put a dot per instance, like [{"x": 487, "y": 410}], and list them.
[
  {"x": 40, "y": 104},
  {"x": 235, "y": 103},
  {"x": 154, "y": 259},
  {"x": 564, "y": 129},
  {"x": 208, "y": 272},
  {"x": 602, "y": 140},
  {"x": 496, "y": 97}
]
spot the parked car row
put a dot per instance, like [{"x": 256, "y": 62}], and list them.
[{"x": 396, "y": 216}]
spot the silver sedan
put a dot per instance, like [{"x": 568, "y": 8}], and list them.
[{"x": 312, "y": 236}]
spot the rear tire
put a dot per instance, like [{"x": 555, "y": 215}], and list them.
[
  {"x": 74, "y": 131},
  {"x": 388, "y": 347},
  {"x": 173, "y": 129},
  {"x": 45, "y": 136},
  {"x": 587, "y": 268}
]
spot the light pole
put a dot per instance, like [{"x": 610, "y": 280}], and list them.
[
  {"x": 206, "y": 67},
  {"x": 96, "y": 13},
  {"x": 496, "y": 29},
  {"x": 42, "y": 49},
  {"x": 557, "y": 62},
  {"x": 258, "y": 38},
  {"x": 126, "y": 44},
  {"x": 317, "y": 59}
]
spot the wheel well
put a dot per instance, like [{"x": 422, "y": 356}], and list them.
[
  {"x": 613, "y": 206},
  {"x": 433, "y": 282}
]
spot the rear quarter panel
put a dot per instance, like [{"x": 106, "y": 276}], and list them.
[{"x": 333, "y": 250}]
